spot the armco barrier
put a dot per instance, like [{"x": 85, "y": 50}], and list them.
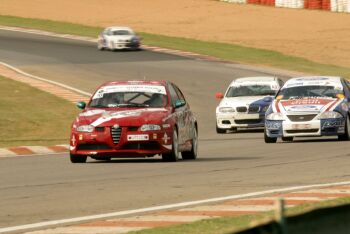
[
  {"x": 334, "y": 220},
  {"x": 327, "y": 5}
]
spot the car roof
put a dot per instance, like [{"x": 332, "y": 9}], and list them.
[
  {"x": 135, "y": 82},
  {"x": 255, "y": 79},
  {"x": 313, "y": 80},
  {"x": 115, "y": 28}
]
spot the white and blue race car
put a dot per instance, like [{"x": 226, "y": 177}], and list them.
[
  {"x": 309, "y": 106},
  {"x": 245, "y": 103},
  {"x": 118, "y": 38}
]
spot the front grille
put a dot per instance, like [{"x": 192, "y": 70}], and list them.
[
  {"x": 133, "y": 128},
  {"x": 302, "y": 131},
  {"x": 253, "y": 109},
  {"x": 88, "y": 146},
  {"x": 241, "y": 109},
  {"x": 301, "y": 118},
  {"x": 142, "y": 146},
  {"x": 248, "y": 121},
  {"x": 116, "y": 133}
]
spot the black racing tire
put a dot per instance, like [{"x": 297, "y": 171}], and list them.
[
  {"x": 269, "y": 139},
  {"x": 346, "y": 135},
  {"x": 173, "y": 156},
  {"x": 287, "y": 139},
  {"x": 78, "y": 158},
  {"x": 192, "y": 155},
  {"x": 220, "y": 130}
]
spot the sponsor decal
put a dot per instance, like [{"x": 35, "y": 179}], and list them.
[
  {"x": 166, "y": 138},
  {"x": 81, "y": 137},
  {"x": 273, "y": 124},
  {"x": 130, "y": 88},
  {"x": 141, "y": 137},
  {"x": 331, "y": 123},
  {"x": 155, "y": 136},
  {"x": 91, "y": 113}
]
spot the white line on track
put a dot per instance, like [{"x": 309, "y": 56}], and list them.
[
  {"x": 158, "y": 208},
  {"x": 45, "y": 80}
]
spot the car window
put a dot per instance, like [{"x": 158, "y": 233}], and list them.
[
  {"x": 173, "y": 94},
  {"x": 120, "y": 32},
  {"x": 179, "y": 93},
  {"x": 311, "y": 91},
  {"x": 250, "y": 90},
  {"x": 281, "y": 83}
]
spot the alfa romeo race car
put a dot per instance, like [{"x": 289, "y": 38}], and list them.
[
  {"x": 309, "y": 106},
  {"x": 118, "y": 38},
  {"x": 134, "y": 119},
  {"x": 245, "y": 103}
]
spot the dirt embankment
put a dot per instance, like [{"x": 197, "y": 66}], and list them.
[{"x": 316, "y": 35}]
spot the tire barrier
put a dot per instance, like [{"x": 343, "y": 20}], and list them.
[{"x": 327, "y": 5}]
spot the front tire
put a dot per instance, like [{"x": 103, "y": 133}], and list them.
[
  {"x": 346, "y": 135},
  {"x": 173, "y": 156},
  {"x": 269, "y": 139},
  {"x": 78, "y": 158},
  {"x": 191, "y": 155}
]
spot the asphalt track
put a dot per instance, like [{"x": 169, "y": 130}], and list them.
[{"x": 42, "y": 188}]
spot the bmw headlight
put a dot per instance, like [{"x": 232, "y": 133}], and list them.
[
  {"x": 150, "y": 127},
  {"x": 330, "y": 115},
  {"x": 85, "y": 128},
  {"x": 226, "y": 109},
  {"x": 275, "y": 116}
]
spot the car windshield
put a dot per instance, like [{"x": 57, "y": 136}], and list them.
[
  {"x": 129, "y": 96},
  {"x": 121, "y": 32},
  {"x": 309, "y": 92},
  {"x": 250, "y": 90}
]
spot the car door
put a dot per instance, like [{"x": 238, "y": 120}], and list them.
[
  {"x": 186, "y": 115},
  {"x": 178, "y": 114}
]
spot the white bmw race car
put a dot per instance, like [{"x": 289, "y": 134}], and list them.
[
  {"x": 309, "y": 106},
  {"x": 245, "y": 103},
  {"x": 118, "y": 38}
]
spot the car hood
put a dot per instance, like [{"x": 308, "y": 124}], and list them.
[
  {"x": 308, "y": 105},
  {"x": 246, "y": 101},
  {"x": 126, "y": 117},
  {"x": 120, "y": 37}
]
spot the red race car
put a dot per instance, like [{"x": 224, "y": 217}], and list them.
[{"x": 125, "y": 119}]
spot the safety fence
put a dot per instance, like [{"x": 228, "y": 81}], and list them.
[{"x": 328, "y": 5}]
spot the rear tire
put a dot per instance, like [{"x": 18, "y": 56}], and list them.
[
  {"x": 269, "y": 139},
  {"x": 287, "y": 139},
  {"x": 173, "y": 156},
  {"x": 346, "y": 135},
  {"x": 220, "y": 130},
  {"x": 78, "y": 158},
  {"x": 191, "y": 155}
]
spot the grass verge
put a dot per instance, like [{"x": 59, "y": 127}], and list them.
[
  {"x": 229, "y": 52},
  {"x": 235, "y": 224},
  {"x": 33, "y": 117}
]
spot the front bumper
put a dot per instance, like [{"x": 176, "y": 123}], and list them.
[
  {"x": 125, "y": 45},
  {"x": 286, "y": 128},
  {"x": 240, "y": 120},
  {"x": 129, "y": 144}
]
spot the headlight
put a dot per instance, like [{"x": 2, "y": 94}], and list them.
[
  {"x": 150, "y": 127},
  {"x": 330, "y": 115},
  {"x": 265, "y": 108},
  {"x": 85, "y": 128},
  {"x": 275, "y": 116},
  {"x": 226, "y": 110}
]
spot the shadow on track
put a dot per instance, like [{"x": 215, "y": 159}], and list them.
[{"x": 159, "y": 160}]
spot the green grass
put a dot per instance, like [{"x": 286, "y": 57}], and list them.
[
  {"x": 33, "y": 117},
  {"x": 229, "y": 52},
  {"x": 234, "y": 224}
]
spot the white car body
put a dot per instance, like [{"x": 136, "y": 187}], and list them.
[
  {"x": 245, "y": 111},
  {"x": 118, "y": 38}
]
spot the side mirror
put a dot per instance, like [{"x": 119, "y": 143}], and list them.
[
  {"x": 179, "y": 103},
  {"x": 219, "y": 95},
  {"x": 81, "y": 105}
]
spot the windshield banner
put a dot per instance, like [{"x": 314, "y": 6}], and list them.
[{"x": 130, "y": 88}]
